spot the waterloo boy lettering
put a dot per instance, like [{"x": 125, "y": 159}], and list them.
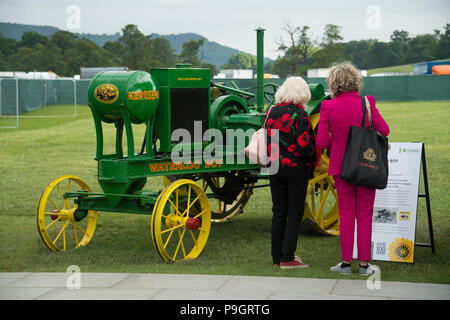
[{"x": 192, "y": 165}]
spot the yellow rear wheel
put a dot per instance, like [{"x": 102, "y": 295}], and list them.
[
  {"x": 321, "y": 208},
  {"x": 181, "y": 221},
  {"x": 222, "y": 211},
  {"x": 55, "y": 215}
]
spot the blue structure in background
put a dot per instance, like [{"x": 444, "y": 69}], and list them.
[{"x": 425, "y": 67}]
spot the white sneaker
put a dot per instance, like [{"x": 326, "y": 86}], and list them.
[
  {"x": 367, "y": 271},
  {"x": 343, "y": 270}
]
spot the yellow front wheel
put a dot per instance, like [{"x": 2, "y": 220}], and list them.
[
  {"x": 55, "y": 216},
  {"x": 181, "y": 221}
]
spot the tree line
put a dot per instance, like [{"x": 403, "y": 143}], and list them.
[
  {"x": 64, "y": 52},
  {"x": 302, "y": 51}
]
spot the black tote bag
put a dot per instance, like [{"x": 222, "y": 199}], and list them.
[{"x": 365, "y": 158}]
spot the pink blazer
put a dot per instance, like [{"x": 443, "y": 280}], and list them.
[{"x": 336, "y": 117}]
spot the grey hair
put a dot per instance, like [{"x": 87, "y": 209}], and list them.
[{"x": 294, "y": 89}]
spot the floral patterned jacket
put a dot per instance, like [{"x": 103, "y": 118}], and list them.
[{"x": 297, "y": 141}]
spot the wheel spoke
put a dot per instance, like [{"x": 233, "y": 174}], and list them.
[
  {"x": 64, "y": 238},
  {"x": 190, "y": 205},
  {"x": 66, "y": 204},
  {"x": 182, "y": 243},
  {"x": 80, "y": 228},
  {"x": 52, "y": 213},
  {"x": 75, "y": 232},
  {"x": 168, "y": 238},
  {"x": 189, "y": 199},
  {"x": 54, "y": 204},
  {"x": 175, "y": 207},
  {"x": 171, "y": 229},
  {"x": 193, "y": 237},
  {"x": 51, "y": 224},
  {"x": 60, "y": 232},
  {"x": 201, "y": 213},
  {"x": 178, "y": 246}
]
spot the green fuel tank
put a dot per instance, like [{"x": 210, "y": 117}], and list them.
[{"x": 109, "y": 91}]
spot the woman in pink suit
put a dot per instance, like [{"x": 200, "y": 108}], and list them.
[{"x": 336, "y": 117}]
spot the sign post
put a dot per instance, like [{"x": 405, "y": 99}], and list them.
[{"x": 395, "y": 208}]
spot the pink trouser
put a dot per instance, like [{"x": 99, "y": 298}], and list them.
[{"x": 354, "y": 202}]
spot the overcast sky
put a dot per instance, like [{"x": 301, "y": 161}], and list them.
[{"x": 232, "y": 22}]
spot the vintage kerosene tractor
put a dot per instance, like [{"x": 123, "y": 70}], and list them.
[{"x": 194, "y": 136}]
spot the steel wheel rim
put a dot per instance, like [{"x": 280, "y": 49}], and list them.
[
  {"x": 55, "y": 220},
  {"x": 321, "y": 205},
  {"x": 172, "y": 236}
]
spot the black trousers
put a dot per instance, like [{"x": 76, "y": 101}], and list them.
[{"x": 288, "y": 188}]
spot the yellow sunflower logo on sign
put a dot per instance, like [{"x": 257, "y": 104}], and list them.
[{"x": 401, "y": 250}]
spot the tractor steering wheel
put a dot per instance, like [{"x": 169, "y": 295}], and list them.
[{"x": 269, "y": 92}]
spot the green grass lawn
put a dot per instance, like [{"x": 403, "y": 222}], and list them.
[
  {"x": 43, "y": 148},
  {"x": 401, "y": 68}
]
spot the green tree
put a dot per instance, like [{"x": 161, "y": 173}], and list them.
[
  {"x": 189, "y": 54},
  {"x": 297, "y": 50},
  {"x": 40, "y": 58},
  {"x": 116, "y": 50},
  {"x": 30, "y": 39},
  {"x": 8, "y": 47},
  {"x": 332, "y": 35},
  {"x": 86, "y": 53},
  {"x": 382, "y": 55},
  {"x": 64, "y": 40},
  {"x": 241, "y": 60},
  {"x": 330, "y": 48},
  {"x": 443, "y": 46},
  {"x": 163, "y": 53},
  {"x": 283, "y": 67},
  {"x": 211, "y": 67},
  {"x": 359, "y": 52},
  {"x": 137, "y": 51},
  {"x": 422, "y": 48},
  {"x": 4, "y": 63}
]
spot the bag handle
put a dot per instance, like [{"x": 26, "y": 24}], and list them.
[
  {"x": 364, "y": 108},
  {"x": 265, "y": 120},
  {"x": 369, "y": 112}
]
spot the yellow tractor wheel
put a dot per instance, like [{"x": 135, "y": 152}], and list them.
[
  {"x": 55, "y": 215},
  {"x": 321, "y": 208},
  {"x": 181, "y": 221}
]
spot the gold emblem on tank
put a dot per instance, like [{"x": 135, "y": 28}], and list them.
[{"x": 106, "y": 93}]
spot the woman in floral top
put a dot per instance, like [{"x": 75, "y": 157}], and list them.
[{"x": 292, "y": 142}]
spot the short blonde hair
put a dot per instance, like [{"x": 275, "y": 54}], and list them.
[
  {"x": 294, "y": 89},
  {"x": 344, "y": 77}
]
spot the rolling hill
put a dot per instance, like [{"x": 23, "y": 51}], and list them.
[{"x": 210, "y": 52}]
